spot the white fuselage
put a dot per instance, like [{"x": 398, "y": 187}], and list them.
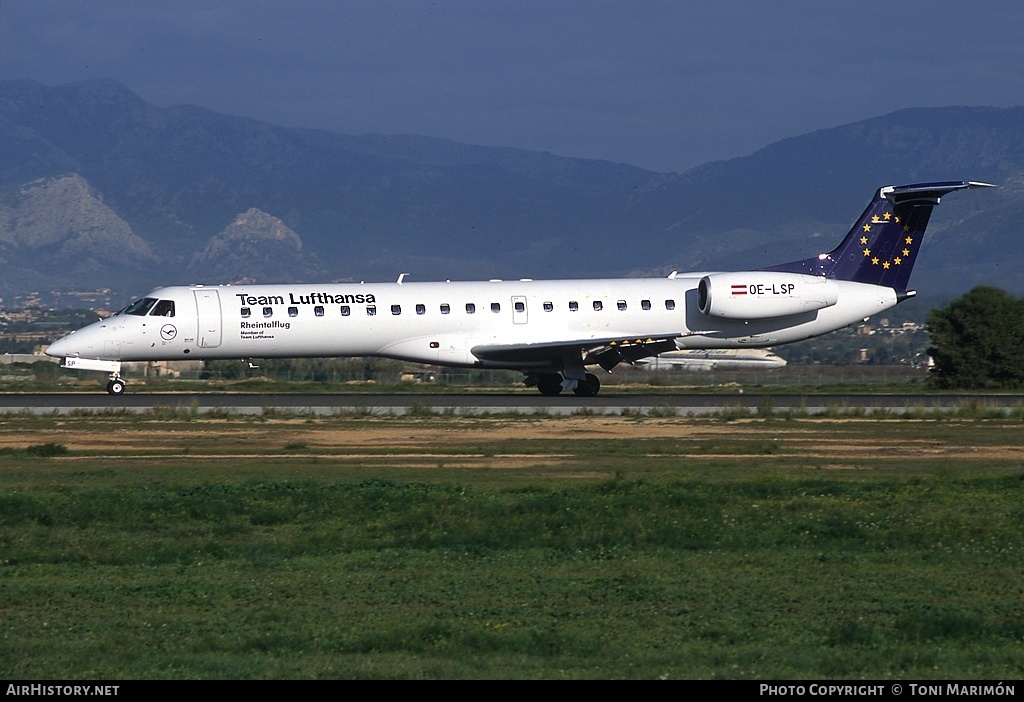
[
  {"x": 551, "y": 330},
  {"x": 442, "y": 322}
]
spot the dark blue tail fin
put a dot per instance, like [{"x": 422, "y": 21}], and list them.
[{"x": 883, "y": 244}]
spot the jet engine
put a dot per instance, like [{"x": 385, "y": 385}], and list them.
[{"x": 764, "y": 294}]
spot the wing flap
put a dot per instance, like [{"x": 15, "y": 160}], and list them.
[
  {"x": 629, "y": 352},
  {"x": 607, "y": 352}
]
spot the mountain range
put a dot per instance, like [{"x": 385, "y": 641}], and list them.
[{"x": 100, "y": 189}]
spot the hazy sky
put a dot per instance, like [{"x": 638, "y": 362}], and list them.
[{"x": 664, "y": 85}]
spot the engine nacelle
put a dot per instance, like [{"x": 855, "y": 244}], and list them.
[{"x": 764, "y": 294}]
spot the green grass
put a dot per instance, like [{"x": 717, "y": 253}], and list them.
[{"x": 736, "y": 557}]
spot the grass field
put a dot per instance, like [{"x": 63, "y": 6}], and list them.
[{"x": 577, "y": 547}]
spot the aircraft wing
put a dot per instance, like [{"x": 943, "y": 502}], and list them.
[{"x": 607, "y": 352}]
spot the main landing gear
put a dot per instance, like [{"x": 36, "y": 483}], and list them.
[
  {"x": 115, "y": 386},
  {"x": 552, "y": 384}
]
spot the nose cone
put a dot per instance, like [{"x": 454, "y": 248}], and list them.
[
  {"x": 61, "y": 348},
  {"x": 87, "y": 342},
  {"x": 100, "y": 340}
]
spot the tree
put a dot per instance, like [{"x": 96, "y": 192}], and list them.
[{"x": 978, "y": 341}]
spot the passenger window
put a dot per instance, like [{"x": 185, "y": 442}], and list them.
[
  {"x": 421, "y": 309},
  {"x": 573, "y": 305},
  {"x": 495, "y": 307},
  {"x": 163, "y": 308},
  {"x": 598, "y": 306},
  {"x": 396, "y": 309},
  {"x": 371, "y": 310},
  {"x": 520, "y": 306},
  {"x": 346, "y": 310},
  {"x": 318, "y": 311},
  {"x": 246, "y": 312},
  {"x": 621, "y": 304},
  {"x": 293, "y": 311},
  {"x": 548, "y": 306},
  {"x": 645, "y": 304},
  {"x": 445, "y": 309},
  {"x": 268, "y": 311},
  {"x": 670, "y": 304},
  {"x": 470, "y": 308}
]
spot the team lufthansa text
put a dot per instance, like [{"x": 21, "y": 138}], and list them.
[{"x": 317, "y": 298}]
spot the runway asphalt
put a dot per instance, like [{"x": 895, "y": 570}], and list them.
[{"x": 470, "y": 404}]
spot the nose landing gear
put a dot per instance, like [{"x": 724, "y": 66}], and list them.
[{"x": 115, "y": 386}]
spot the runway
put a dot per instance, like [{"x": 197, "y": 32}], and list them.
[{"x": 497, "y": 403}]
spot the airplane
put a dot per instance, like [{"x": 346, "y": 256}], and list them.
[
  {"x": 714, "y": 359},
  {"x": 550, "y": 330}
]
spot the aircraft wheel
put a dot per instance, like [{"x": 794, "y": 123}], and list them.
[
  {"x": 588, "y": 387},
  {"x": 549, "y": 384},
  {"x": 116, "y": 387}
]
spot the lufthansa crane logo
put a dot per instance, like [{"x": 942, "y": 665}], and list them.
[{"x": 168, "y": 332}]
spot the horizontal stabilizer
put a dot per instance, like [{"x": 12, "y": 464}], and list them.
[{"x": 928, "y": 192}]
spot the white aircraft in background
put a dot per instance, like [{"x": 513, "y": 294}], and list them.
[
  {"x": 550, "y": 330},
  {"x": 715, "y": 359}
]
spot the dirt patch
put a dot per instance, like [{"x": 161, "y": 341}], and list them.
[{"x": 433, "y": 439}]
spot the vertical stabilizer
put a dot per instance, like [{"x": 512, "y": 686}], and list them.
[{"x": 882, "y": 246}]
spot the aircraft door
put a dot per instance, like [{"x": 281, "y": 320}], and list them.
[
  {"x": 208, "y": 334},
  {"x": 519, "y": 311}
]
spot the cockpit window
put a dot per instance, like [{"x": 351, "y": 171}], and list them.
[
  {"x": 163, "y": 308},
  {"x": 139, "y": 308}
]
